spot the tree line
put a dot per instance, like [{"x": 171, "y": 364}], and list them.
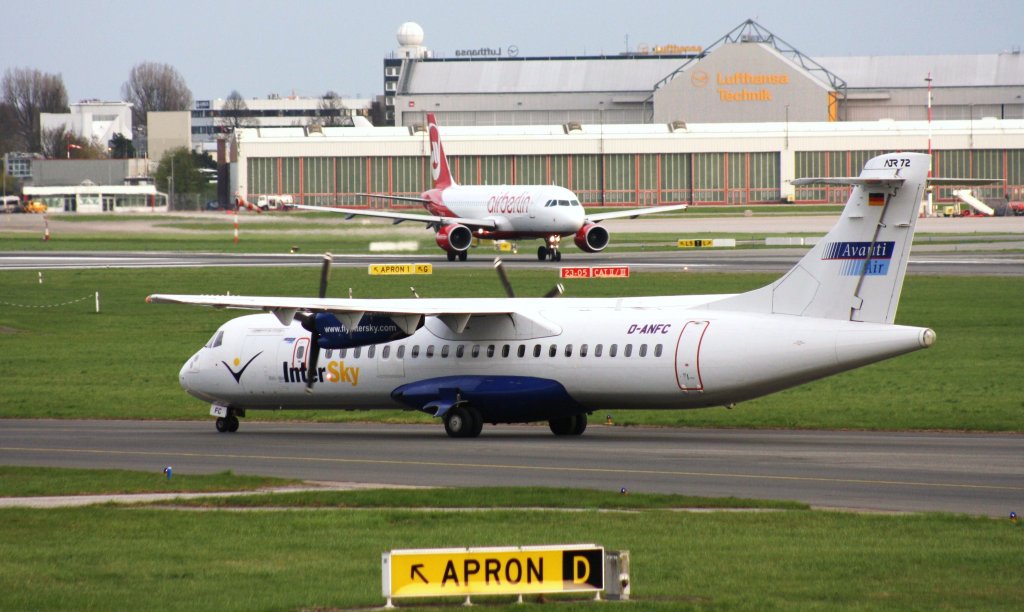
[{"x": 27, "y": 92}]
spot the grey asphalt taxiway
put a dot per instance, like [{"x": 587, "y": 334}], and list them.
[
  {"x": 955, "y": 263},
  {"x": 979, "y": 474}
]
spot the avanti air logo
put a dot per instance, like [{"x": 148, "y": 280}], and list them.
[
  {"x": 867, "y": 258},
  {"x": 332, "y": 372},
  {"x": 238, "y": 375}
]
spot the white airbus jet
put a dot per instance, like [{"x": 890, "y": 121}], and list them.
[
  {"x": 475, "y": 361},
  {"x": 460, "y": 213}
]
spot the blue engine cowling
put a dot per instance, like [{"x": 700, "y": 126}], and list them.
[
  {"x": 499, "y": 399},
  {"x": 372, "y": 329}
]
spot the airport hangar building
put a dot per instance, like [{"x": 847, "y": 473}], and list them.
[{"x": 731, "y": 124}]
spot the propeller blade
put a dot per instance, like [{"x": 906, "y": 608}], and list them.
[
  {"x": 499, "y": 267},
  {"x": 312, "y": 358},
  {"x": 325, "y": 271},
  {"x": 555, "y": 291}
]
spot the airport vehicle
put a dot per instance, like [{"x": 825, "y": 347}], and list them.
[
  {"x": 10, "y": 204},
  {"x": 35, "y": 206},
  {"x": 460, "y": 213},
  {"x": 475, "y": 361},
  {"x": 274, "y": 202}
]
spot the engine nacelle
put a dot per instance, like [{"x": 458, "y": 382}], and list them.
[
  {"x": 372, "y": 329},
  {"x": 591, "y": 238},
  {"x": 454, "y": 238}
]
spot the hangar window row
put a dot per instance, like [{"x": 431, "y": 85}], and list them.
[{"x": 614, "y": 179}]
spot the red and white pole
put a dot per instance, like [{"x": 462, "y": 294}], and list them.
[{"x": 236, "y": 225}]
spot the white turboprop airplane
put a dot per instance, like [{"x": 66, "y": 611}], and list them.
[
  {"x": 475, "y": 361},
  {"x": 499, "y": 212}
]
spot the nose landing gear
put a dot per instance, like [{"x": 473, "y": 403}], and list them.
[
  {"x": 228, "y": 423},
  {"x": 551, "y": 250}
]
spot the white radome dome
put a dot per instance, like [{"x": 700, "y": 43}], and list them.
[{"x": 410, "y": 34}]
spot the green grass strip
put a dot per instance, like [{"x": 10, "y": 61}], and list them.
[
  {"x": 40, "y": 481},
  {"x": 162, "y": 559}
]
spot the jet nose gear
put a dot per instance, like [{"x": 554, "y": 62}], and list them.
[{"x": 551, "y": 251}]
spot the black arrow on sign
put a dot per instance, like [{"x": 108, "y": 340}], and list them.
[{"x": 415, "y": 571}]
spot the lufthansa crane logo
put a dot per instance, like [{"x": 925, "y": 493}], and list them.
[{"x": 699, "y": 78}]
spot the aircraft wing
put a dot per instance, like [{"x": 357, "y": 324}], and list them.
[
  {"x": 406, "y": 313},
  {"x": 633, "y": 213},
  {"x": 398, "y": 217}
]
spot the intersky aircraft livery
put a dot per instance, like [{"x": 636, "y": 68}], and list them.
[
  {"x": 475, "y": 361},
  {"x": 499, "y": 212}
]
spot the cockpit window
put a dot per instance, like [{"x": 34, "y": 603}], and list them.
[
  {"x": 563, "y": 202},
  {"x": 574, "y": 202},
  {"x": 216, "y": 340},
  {"x": 550, "y": 203}
]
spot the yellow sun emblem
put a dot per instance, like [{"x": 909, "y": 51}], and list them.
[{"x": 237, "y": 361}]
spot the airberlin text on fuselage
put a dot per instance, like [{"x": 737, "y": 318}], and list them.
[{"x": 506, "y": 203}]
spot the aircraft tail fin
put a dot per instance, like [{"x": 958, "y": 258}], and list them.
[
  {"x": 856, "y": 271},
  {"x": 439, "y": 169}
]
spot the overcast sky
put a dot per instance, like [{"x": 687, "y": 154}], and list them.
[{"x": 260, "y": 47}]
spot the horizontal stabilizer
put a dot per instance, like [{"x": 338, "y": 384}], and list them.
[{"x": 849, "y": 180}]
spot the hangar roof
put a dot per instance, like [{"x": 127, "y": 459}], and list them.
[
  {"x": 885, "y": 71},
  {"x": 531, "y": 75},
  {"x": 636, "y": 74}
]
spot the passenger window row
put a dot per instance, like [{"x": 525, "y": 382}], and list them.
[{"x": 491, "y": 350}]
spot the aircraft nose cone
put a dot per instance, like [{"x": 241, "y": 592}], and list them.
[
  {"x": 187, "y": 372},
  {"x": 183, "y": 377}
]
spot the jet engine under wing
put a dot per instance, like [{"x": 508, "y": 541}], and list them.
[
  {"x": 398, "y": 217},
  {"x": 406, "y": 313},
  {"x": 632, "y": 213}
]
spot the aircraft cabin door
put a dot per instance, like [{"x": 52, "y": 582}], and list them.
[{"x": 688, "y": 356}]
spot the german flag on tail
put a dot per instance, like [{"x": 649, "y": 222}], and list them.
[{"x": 876, "y": 199}]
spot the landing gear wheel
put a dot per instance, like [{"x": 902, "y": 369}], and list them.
[
  {"x": 542, "y": 253},
  {"x": 556, "y": 255},
  {"x": 478, "y": 423},
  {"x": 456, "y": 422},
  {"x": 451, "y": 255},
  {"x": 232, "y": 423},
  {"x": 463, "y": 423},
  {"x": 568, "y": 426},
  {"x": 222, "y": 424},
  {"x": 580, "y": 425},
  {"x": 463, "y": 255}
]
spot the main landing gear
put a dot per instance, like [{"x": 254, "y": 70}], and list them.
[
  {"x": 228, "y": 423},
  {"x": 463, "y": 422},
  {"x": 460, "y": 255},
  {"x": 569, "y": 426}
]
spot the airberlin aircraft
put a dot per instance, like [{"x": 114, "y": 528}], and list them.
[
  {"x": 475, "y": 361},
  {"x": 499, "y": 212}
]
